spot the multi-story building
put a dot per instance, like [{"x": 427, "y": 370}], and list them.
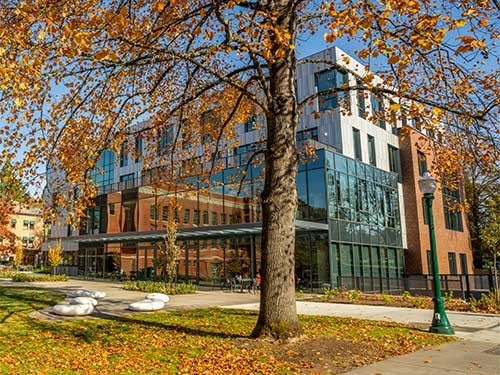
[
  {"x": 452, "y": 233},
  {"x": 350, "y": 227},
  {"x": 26, "y": 226}
]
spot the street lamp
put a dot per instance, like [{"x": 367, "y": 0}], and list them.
[{"x": 440, "y": 322}]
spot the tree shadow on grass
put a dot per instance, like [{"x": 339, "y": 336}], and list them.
[
  {"x": 91, "y": 329},
  {"x": 17, "y": 300},
  {"x": 24, "y": 294}
]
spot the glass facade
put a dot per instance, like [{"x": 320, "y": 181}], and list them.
[
  {"x": 326, "y": 82},
  {"x": 356, "y": 204},
  {"x": 103, "y": 172},
  {"x": 365, "y": 225}
]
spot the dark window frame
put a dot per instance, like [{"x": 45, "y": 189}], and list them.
[
  {"x": 372, "y": 153},
  {"x": 356, "y": 137},
  {"x": 452, "y": 263},
  {"x": 422, "y": 163},
  {"x": 329, "y": 99}
]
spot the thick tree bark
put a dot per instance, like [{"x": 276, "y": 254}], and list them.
[{"x": 278, "y": 313}]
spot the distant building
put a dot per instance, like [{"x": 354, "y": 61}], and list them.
[{"x": 26, "y": 225}]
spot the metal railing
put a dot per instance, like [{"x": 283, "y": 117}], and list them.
[{"x": 464, "y": 286}]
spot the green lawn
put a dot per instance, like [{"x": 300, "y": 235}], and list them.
[{"x": 212, "y": 341}]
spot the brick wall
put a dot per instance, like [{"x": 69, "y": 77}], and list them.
[{"x": 448, "y": 241}]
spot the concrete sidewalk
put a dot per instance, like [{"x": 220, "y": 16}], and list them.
[
  {"x": 477, "y": 353},
  {"x": 462, "y": 357}
]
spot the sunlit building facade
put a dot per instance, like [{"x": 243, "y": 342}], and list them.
[
  {"x": 26, "y": 227},
  {"x": 349, "y": 227}
]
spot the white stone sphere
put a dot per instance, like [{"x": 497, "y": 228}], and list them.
[{"x": 158, "y": 296}]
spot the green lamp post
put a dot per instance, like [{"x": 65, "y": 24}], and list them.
[{"x": 440, "y": 322}]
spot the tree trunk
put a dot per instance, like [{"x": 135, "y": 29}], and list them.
[{"x": 278, "y": 313}]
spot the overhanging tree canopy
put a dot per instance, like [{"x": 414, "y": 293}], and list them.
[{"x": 76, "y": 75}]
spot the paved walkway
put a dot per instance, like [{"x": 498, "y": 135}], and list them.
[
  {"x": 477, "y": 353},
  {"x": 117, "y": 299}
]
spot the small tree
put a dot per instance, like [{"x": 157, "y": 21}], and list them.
[
  {"x": 117, "y": 263},
  {"x": 491, "y": 241},
  {"x": 55, "y": 256},
  {"x": 19, "y": 255},
  {"x": 170, "y": 250}
]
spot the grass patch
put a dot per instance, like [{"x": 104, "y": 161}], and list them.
[
  {"x": 160, "y": 287},
  {"x": 26, "y": 277},
  {"x": 199, "y": 341},
  {"x": 7, "y": 274}
]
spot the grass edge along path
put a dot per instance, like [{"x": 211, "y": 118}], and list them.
[{"x": 211, "y": 341}]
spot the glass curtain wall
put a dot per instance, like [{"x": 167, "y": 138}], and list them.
[
  {"x": 358, "y": 201},
  {"x": 312, "y": 261},
  {"x": 364, "y": 224}
]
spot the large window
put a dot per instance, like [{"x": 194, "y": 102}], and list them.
[
  {"x": 422, "y": 163},
  {"x": 153, "y": 212},
  {"x": 187, "y": 214},
  {"x": 164, "y": 213},
  {"x": 394, "y": 161},
  {"x": 251, "y": 124},
  {"x": 371, "y": 151},
  {"x": 166, "y": 137},
  {"x": 326, "y": 83},
  {"x": 452, "y": 262},
  {"x": 361, "y": 101},
  {"x": 124, "y": 155},
  {"x": 357, "y": 143},
  {"x": 377, "y": 104},
  {"x": 214, "y": 218},
  {"x": 103, "y": 172},
  {"x": 311, "y": 133},
  {"x": 138, "y": 150},
  {"x": 363, "y": 202},
  {"x": 311, "y": 191},
  {"x": 127, "y": 177},
  {"x": 452, "y": 210},
  {"x": 463, "y": 264}
]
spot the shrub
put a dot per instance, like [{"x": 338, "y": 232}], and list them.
[
  {"x": 299, "y": 294},
  {"x": 353, "y": 295},
  {"x": 44, "y": 270},
  {"x": 448, "y": 296},
  {"x": 331, "y": 292},
  {"x": 160, "y": 287},
  {"x": 419, "y": 303},
  {"x": 405, "y": 296},
  {"x": 486, "y": 303},
  {"x": 7, "y": 274},
  {"x": 24, "y": 277},
  {"x": 388, "y": 299}
]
